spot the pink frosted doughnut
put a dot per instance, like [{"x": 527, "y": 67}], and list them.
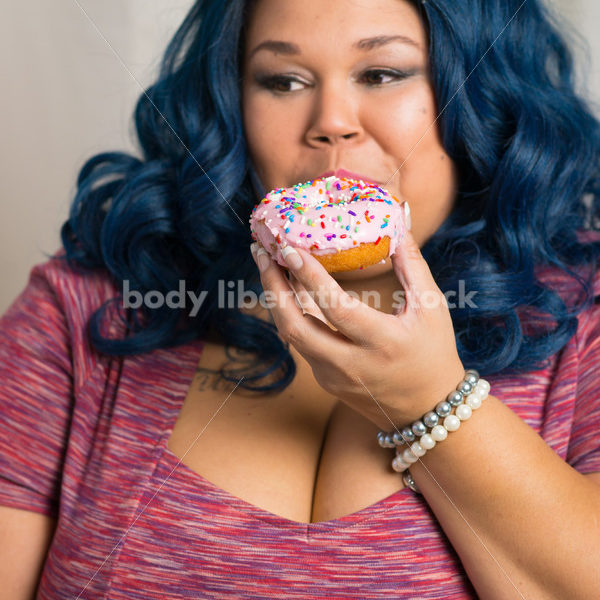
[{"x": 344, "y": 223}]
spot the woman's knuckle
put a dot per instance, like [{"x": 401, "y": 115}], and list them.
[
  {"x": 343, "y": 315},
  {"x": 292, "y": 333}
]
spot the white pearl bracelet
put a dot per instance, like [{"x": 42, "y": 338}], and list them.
[{"x": 469, "y": 395}]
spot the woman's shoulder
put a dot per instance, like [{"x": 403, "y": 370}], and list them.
[
  {"x": 58, "y": 269},
  {"x": 566, "y": 284},
  {"x": 569, "y": 286},
  {"x": 77, "y": 290},
  {"x": 579, "y": 290},
  {"x": 52, "y": 312}
]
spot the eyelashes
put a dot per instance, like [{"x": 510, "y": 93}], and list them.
[
  {"x": 283, "y": 84},
  {"x": 277, "y": 83},
  {"x": 392, "y": 73}
]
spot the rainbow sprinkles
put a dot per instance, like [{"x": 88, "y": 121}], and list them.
[{"x": 327, "y": 215}]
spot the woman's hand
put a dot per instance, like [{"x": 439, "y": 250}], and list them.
[{"x": 391, "y": 368}]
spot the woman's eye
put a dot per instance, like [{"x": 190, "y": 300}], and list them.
[
  {"x": 280, "y": 83},
  {"x": 382, "y": 76},
  {"x": 284, "y": 84}
]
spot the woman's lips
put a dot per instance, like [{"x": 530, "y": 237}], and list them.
[{"x": 350, "y": 175}]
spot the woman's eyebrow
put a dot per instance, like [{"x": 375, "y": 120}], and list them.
[
  {"x": 289, "y": 49},
  {"x": 382, "y": 40}
]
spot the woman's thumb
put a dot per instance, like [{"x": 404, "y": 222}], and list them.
[{"x": 410, "y": 267}]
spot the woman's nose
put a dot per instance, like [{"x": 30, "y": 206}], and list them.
[{"x": 334, "y": 119}]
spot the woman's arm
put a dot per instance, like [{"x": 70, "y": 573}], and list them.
[
  {"x": 26, "y": 536},
  {"x": 524, "y": 523}
]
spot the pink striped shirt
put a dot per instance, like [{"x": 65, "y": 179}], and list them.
[{"x": 83, "y": 438}]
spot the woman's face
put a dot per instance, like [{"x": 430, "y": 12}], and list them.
[{"x": 344, "y": 84}]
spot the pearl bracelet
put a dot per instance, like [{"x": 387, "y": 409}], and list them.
[{"x": 468, "y": 396}]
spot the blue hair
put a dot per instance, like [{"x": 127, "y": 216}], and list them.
[{"x": 526, "y": 148}]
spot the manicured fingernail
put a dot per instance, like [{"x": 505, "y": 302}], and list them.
[
  {"x": 263, "y": 260},
  {"x": 407, "y": 219},
  {"x": 253, "y": 248},
  {"x": 291, "y": 257}
]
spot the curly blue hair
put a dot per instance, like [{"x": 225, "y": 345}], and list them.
[{"x": 525, "y": 145}]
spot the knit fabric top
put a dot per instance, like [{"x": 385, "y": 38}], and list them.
[{"x": 83, "y": 438}]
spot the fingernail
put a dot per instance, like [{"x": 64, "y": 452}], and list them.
[
  {"x": 407, "y": 219},
  {"x": 291, "y": 257},
  {"x": 253, "y": 247},
  {"x": 263, "y": 260}
]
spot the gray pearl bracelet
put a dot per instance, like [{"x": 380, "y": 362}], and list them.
[{"x": 433, "y": 426}]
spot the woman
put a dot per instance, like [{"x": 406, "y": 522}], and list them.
[{"x": 263, "y": 476}]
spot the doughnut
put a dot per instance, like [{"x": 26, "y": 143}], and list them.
[{"x": 346, "y": 224}]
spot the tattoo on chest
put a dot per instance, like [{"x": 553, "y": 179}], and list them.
[
  {"x": 210, "y": 379},
  {"x": 238, "y": 363}
]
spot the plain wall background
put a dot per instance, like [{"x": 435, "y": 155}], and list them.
[{"x": 66, "y": 96}]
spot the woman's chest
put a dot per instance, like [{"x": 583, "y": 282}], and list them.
[{"x": 302, "y": 454}]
